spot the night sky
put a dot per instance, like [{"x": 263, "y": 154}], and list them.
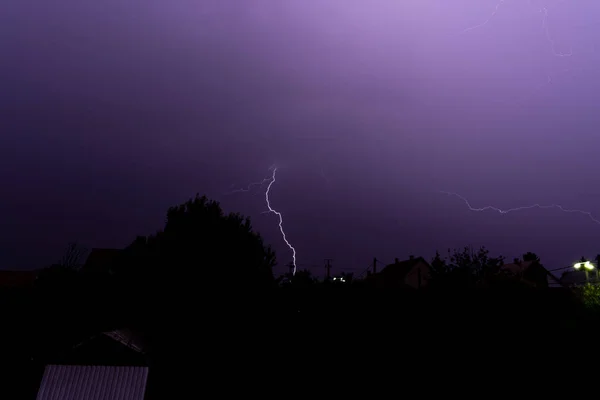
[{"x": 111, "y": 111}]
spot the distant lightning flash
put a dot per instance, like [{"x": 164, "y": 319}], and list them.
[
  {"x": 487, "y": 20},
  {"x": 280, "y": 216},
  {"x": 543, "y": 10},
  {"x": 250, "y": 186},
  {"x": 557, "y": 206}
]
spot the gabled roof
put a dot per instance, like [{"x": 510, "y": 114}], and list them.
[
  {"x": 554, "y": 282},
  {"x": 517, "y": 268},
  {"x": 400, "y": 269},
  {"x": 116, "y": 348},
  {"x": 520, "y": 269},
  {"x": 127, "y": 338},
  {"x": 76, "y": 382}
]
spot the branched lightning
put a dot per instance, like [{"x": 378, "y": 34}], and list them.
[
  {"x": 543, "y": 10},
  {"x": 270, "y": 181},
  {"x": 249, "y": 187},
  {"x": 280, "y": 216},
  {"x": 529, "y": 207},
  {"x": 487, "y": 21}
]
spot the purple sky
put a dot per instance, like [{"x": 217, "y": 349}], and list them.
[{"x": 112, "y": 111}]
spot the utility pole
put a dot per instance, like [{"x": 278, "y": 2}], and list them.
[
  {"x": 374, "y": 265},
  {"x": 587, "y": 274},
  {"x": 328, "y": 267}
]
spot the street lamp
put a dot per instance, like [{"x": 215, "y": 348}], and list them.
[{"x": 587, "y": 267}]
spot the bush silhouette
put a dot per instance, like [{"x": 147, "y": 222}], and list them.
[{"x": 200, "y": 250}]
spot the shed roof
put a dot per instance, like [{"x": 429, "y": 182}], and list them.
[{"x": 77, "y": 382}]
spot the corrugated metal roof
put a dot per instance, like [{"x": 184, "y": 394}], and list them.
[{"x": 76, "y": 382}]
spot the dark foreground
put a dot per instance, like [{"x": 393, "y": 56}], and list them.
[{"x": 290, "y": 339}]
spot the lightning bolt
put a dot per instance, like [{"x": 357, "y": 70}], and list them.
[
  {"x": 542, "y": 207},
  {"x": 546, "y": 28},
  {"x": 271, "y": 180},
  {"x": 280, "y": 216},
  {"x": 249, "y": 187},
  {"x": 487, "y": 21},
  {"x": 545, "y": 11}
]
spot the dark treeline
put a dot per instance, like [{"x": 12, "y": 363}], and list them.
[{"x": 201, "y": 296}]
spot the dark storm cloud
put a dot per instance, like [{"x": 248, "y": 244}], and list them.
[{"x": 112, "y": 111}]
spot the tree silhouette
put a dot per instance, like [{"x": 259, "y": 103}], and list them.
[
  {"x": 530, "y": 257},
  {"x": 590, "y": 295},
  {"x": 465, "y": 267},
  {"x": 56, "y": 278},
  {"x": 199, "y": 248},
  {"x": 302, "y": 278},
  {"x": 439, "y": 267},
  {"x": 204, "y": 282},
  {"x": 72, "y": 256},
  {"x": 63, "y": 275}
]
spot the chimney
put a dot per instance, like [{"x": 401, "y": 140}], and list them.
[
  {"x": 411, "y": 257},
  {"x": 396, "y": 261}
]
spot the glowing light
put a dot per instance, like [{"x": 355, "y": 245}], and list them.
[
  {"x": 280, "y": 216},
  {"x": 587, "y": 265},
  {"x": 498, "y": 210}
]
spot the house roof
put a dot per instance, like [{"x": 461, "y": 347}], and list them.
[
  {"x": 101, "y": 259},
  {"x": 115, "y": 348},
  {"x": 574, "y": 277},
  {"x": 516, "y": 268},
  {"x": 521, "y": 268},
  {"x": 400, "y": 269},
  {"x": 17, "y": 278},
  {"x": 554, "y": 282},
  {"x": 127, "y": 338},
  {"x": 93, "y": 383}
]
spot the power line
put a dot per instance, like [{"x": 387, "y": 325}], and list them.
[
  {"x": 559, "y": 269},
  {"x": 370, "y": 267}
]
